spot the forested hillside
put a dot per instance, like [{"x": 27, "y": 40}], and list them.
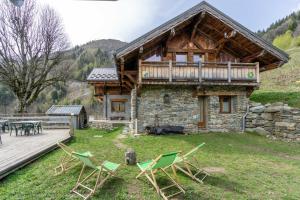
[
  {"x": 284, "y": 33},
  {"x": 282, "y": 84},
  {"x": 81, "y": 59}
]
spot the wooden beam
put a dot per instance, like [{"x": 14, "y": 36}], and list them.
[
  {"x": 271, "y": 66},
  {"x": 178, "y": 50},
  {"x": 122, "y": 68},
  {"x": 221, "y": 33},
  {"x": 165, "y": 44},
  {"x": 220, "y": 45},
  {"x": 130, "y": 77},
  {"x": 254, "y": 56},
  {"x": 204, "y": 92},
  {"x": 128, "y": 84},
  {"x": 199, "y": 46},
  {"x": 141, "y": 50},
  {"x": 201, "y": 17},
  {"x": 214, "y": 40}
]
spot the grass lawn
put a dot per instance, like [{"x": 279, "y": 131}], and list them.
[
  {"x": 264, "y": 97},
  {"x": 255, "y": 168}
]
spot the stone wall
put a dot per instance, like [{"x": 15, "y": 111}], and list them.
[
  {"x": 226, "y": 121},
  {"x": 275, "y": 120},
  {"x": 184, "y": 109}
]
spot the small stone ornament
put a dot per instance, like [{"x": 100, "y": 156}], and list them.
[{"x": 130, "y": 157}]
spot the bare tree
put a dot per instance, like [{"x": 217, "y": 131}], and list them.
[{"x": 32, "y": 41}]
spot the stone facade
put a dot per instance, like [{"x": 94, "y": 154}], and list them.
[
  {"x": 184, "y": 109},
  {"x": 276, "y": 120},
  {"x": 226, "y": 121}
]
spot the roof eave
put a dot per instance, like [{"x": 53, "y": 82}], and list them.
[{"x": 203, "y": 6}]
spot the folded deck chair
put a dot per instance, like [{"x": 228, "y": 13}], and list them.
[
  {"x": 183, "y": 163},
  {"x": 102, "y": 172},
  {"x": 68, "y": 160},
  {"x": 150, "y": 169}
]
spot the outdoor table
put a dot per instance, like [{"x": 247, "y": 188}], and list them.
[{"x": 26, "y": 126}]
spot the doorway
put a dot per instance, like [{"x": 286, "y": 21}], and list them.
[{"x": 202, "y": 114}]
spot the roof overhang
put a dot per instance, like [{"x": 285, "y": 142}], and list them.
[{"x": 189, "y": 14}]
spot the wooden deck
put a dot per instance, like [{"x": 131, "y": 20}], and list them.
[
  {"x": 198, "y": 73},
  {"x": 16, "y": 152}
]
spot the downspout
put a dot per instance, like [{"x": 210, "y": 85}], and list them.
[{"x": 244, "y": 119}]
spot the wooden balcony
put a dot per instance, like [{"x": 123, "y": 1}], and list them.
[{"x": 206, "y": 73}]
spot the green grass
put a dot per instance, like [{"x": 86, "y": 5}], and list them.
[
  {"x": 290, "y": 98},
  {"x": 281, "y": 84},
  {"x": 255, "y": 168}
]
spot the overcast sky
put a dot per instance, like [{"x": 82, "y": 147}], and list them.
[{"x": 127, "y": 19}]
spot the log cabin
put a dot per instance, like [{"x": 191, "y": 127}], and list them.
[{"x": 197, "y": 70}]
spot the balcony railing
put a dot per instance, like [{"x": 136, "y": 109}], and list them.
[{"x": 198, "y": 72}]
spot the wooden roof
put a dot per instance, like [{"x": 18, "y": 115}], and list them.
[{"x": 245, "y": 44}]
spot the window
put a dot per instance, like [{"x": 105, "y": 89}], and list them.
[
  {"x": 181, "y": 57},
  {"x": 167, "y": 99},
  {"x": 118, "y": 105},
  {"x": 225, "y": 104},
  {"x": 197, "y": 58},
  {"x": 154, "y": 58}
]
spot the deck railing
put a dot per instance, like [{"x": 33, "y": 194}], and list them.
[{"x": 198, "y": 72}]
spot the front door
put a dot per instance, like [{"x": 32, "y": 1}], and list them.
[{"x": 202, "y": 115}]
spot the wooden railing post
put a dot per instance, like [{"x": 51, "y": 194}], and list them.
[
  {"x": 229, "y": 72},
  {"x": 140, "y": 71},
  {"x": 257, "y": 73},
  {"x": 200, "y": 72},
  {"x": 72, "y": 119},
  {"x": 170, "y": 71}
]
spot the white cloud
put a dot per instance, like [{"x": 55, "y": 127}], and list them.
[{"x": 89, "y": 20}]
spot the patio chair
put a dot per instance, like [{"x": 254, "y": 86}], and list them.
[
  {"x": 151, "y": 167},
  {"x": 18, "y": 128},
  {"x": 188, "y": 168},
  {"x": 103, "y": 172},
  {"x": 68, "y": 160}
]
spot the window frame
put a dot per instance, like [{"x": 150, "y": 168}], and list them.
[
  {"x": 119, "y": 101},
  {"x": 221, "y": 101},
  {"x": 184, "y": 54},
  {"x": 200, "y": 56}
]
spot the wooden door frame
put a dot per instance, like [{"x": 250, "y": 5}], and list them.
[{"x": 203, "y": 124}]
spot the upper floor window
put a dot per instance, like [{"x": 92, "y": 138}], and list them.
[
  {"x": 225, "y": 104},
  {"x": 181, "y": 57},
  {"x": 154, "y": 58},
  {"x": 197, "y": 58}
]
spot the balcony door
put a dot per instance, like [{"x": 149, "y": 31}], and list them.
[{"x": 202, "y": 114}]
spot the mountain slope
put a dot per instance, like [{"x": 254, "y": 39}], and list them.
[
  {"x": 280, "y": 27},
  {"x": 282, "y": 84},
  {"x": 81, "y": 59}
]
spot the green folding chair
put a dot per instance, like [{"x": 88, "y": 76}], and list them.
[
  {"x": 68, "y": 160},
  {"x": 185, "y": 165},
  {"x": 151, "y": 167},
  {"x": 102, "y": 172}
]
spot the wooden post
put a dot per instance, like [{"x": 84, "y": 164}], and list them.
[
  {"x": 71, "y": 124},
  {"x": 170, "y": 71},
  {"x": 200, "y": 72},
  {"x": 140, "y": 71},
  {"x": 229, "y": 72},
  {"x": 257, "y": 73},
  {"x": 136, "y": 126}
]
